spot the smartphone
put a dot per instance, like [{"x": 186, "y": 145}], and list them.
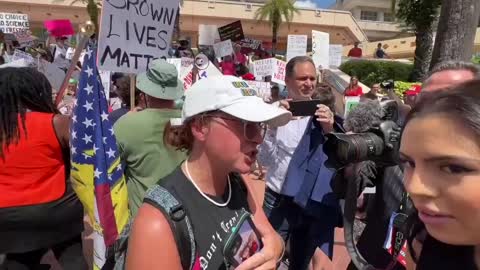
[
  {"x": 243, "y": 242},
  {"x": 304, "y": 107}
]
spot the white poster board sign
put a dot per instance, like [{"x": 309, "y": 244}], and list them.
[
  {"x": 208, "y": 34},
  {"x": 13, "y": 22},
  {"x": 262, "y": 89},
  {"x": 335, "y": 55},
  {"x": 279, "y": 72},
  {"x": 106, "y": 78},
  {"x": 17, "y": 55},
  {"x": 134, "y": 34},
  {"x": 320, "y": 49},
  {"x": 264, "y": 67},
  {"x": 223, "y": 48},
  {"x": 296, "y": 46},
  {"x": 53, "y": 73}
]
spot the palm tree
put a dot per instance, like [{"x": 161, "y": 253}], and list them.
[
  {"x": 92, "y": 9},
  {"x": 419, "y": 16},
  {"x": 276, "y": 12}
]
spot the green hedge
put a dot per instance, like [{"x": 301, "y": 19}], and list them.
[
  {"x": 401, "y": 87},
  {"x": 370, "y": 72}
]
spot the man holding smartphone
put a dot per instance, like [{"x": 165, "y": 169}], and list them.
[{"x": 299, "y": 201}]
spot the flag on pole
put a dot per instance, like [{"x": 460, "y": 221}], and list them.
[{"x": 96, "y": 170}]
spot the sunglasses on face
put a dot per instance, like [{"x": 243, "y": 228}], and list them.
[{"x": 250, "y": 129}]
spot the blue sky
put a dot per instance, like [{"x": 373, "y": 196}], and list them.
[{"x": 315, "y": 3}]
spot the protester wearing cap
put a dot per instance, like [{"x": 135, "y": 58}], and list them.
[
  {"x": 222, "y": 123},
  {"x": 140, "y": 134}
]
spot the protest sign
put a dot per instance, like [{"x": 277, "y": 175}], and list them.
[
  {"x": 17, "y": 55},
  {"x": 320, "y": 48},
  {"x": 279, "y": 72},
  {"x": 207, "y": 34},
  {"x": 134, "y": 34},
  {"x": 262, "y": 88},
  {"x": 24, "y": 38},
  {"x": 248, "y": 45},
  {"x": 53, "y": 73},
  {"x": 105, "y": 77},
  {"x": 233, "y": 31},
  {"x": 177, "y": 62},
  {"x": 59, "y": 28},
  {"x": 296, "y": 46},
  {"x": 70, "y": 53},
  {"x": 335, "y": 55},
  {"x": 223, "y": 48},
  {"x": 263, "y": 67},
  {"x": 350, "y": 103},
  {"x": 13, "y": 22}
]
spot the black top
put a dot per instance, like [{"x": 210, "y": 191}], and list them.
[
  {"x": 388, "y": 197},
  {"x": 211, "y": 224},
  {"x": 440, "y": 256}
]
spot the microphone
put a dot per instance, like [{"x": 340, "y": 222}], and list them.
[{"x": 364, "y": 116}]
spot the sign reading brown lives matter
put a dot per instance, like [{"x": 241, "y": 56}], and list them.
[{"x": 233, "y": 31}]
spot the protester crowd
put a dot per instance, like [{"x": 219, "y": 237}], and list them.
[{"x": 188, "y": 157}]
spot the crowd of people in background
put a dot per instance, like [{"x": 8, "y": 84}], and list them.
[{"x": 203, "y": 149}]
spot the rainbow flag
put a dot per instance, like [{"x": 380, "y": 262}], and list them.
[{"x": 96, "y": 170}]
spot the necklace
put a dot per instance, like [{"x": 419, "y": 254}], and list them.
[{"x": 203, "y": 194}]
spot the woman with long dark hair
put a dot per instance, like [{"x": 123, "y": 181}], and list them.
[
  {"x": 440, "y": 152},
  {"x": 38, "y": 209}
]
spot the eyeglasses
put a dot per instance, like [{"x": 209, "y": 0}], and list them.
[{"x": 250, "y": 129}]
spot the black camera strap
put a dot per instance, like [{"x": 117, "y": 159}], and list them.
[{"x": 398, "y": 230}]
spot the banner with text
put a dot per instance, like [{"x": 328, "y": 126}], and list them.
[
  {"x": 135, "y": 33},
  {"x": 223, "y": 48},
  {"x": 13, "y": 22},
  {"x": 320, "y": 49},
  {"x": 296, "y": 46}
]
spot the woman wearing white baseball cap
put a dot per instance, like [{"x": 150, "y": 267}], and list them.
[{"x": 223, "y": 122}]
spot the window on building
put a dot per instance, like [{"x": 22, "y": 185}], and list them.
[
  {"x": 388, "y": 17},
  {"x": 367, "y": 15}
]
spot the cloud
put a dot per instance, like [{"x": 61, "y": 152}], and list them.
[{"x": 306, "y": 4}]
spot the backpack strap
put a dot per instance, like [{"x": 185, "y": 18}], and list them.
[{"x": 169, "y": 204}]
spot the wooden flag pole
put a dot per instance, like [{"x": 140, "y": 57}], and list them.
[
  {"x": 132, "y": 92},
  {"x": 86, "y": 31}
]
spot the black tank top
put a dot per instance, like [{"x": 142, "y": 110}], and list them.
[
  {"x": 440, "y": 256},
  {"x": 211, "y": 224}
]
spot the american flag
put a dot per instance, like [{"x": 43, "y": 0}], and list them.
[{"x": 96, "y": 170}]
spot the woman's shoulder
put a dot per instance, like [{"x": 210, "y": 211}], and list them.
[{"x": 439, "y": 255}]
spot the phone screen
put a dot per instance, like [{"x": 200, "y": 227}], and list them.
[
  {"x": 304, "y": 107},
  {"x": 245, "y": 243}
]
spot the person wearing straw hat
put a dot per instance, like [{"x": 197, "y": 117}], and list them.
[{"x": 140, "y": 134}]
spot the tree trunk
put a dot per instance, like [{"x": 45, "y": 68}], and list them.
[
  {"x": 274, "y": 40},
  {"x": 423, "y": 54},
  {"x": 456, "y": 31},
  {"x": 92, "y": 10}
]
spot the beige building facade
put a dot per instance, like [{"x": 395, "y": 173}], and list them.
[
  {"x": 341, "y": 25},
  {"x": 375, "y": 17}
]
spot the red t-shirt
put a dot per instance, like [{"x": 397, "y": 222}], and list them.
[
  {"x": 228, "y": 68},
  {"x": 240, "y": 58},
  {"x": 355, "y": 92},
  {"x": 355, "y": 52}
]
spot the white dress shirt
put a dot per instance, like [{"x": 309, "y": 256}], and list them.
[{"x": 277, "y": 150}]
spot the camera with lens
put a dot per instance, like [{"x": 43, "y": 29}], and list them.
[
  {"x": 379, "y": 144},
  {"x": 388, "y": 85}
]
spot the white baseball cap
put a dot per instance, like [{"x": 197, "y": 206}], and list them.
[{"x": 233, "y": 96}]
